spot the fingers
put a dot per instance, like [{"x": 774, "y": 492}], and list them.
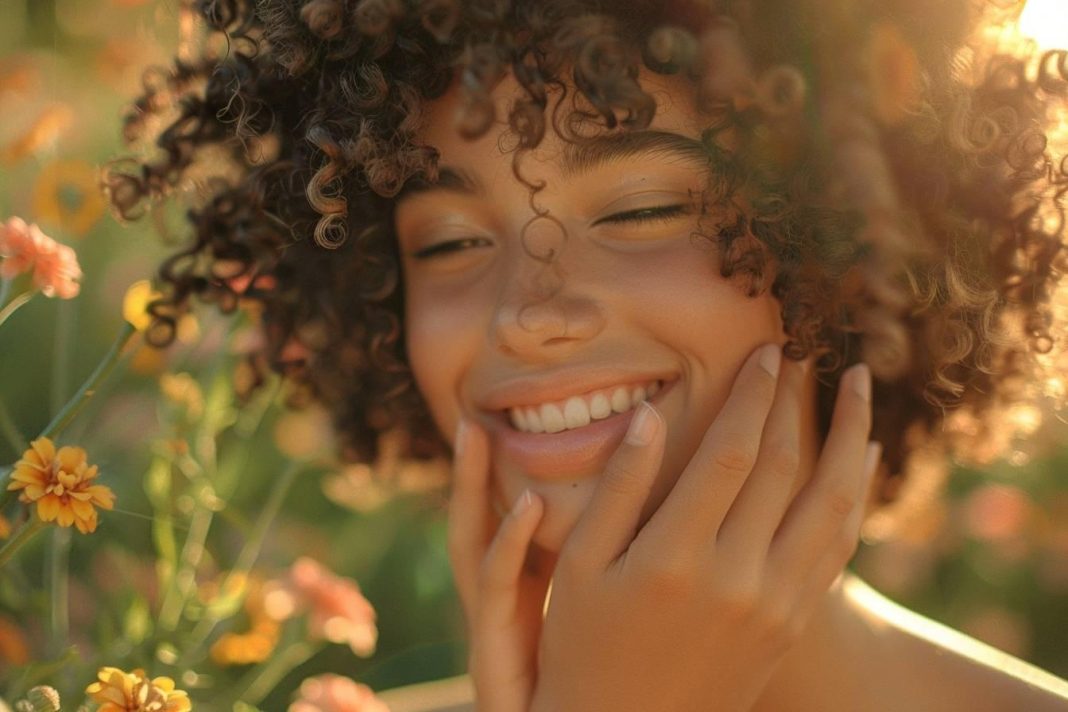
[
  {"x": 818, "y": 515},
  {"x": 759, "y": 508},
  {"x": 693, "y": 512},
  {"x": 607, "y": 527},
  {"x": 835, "y": 558},
  {"x": 500, "y": 571},
  {"x": 471, "y": 521}
]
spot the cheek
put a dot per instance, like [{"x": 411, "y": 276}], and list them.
[{"x": 438, "y": 336}]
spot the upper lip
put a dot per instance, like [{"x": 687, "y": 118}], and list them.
[{"x": 546, "y": 388}]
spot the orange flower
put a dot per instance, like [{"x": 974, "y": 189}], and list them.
[
  {"x": 66, "y": 195},
  {"x": 5, "y": 527},
  {"x": 118, "y": 691},
  {"x": 337, "y": 610},
  {"x": 61, "y": 483},
  {"x": 24, "y": 248},
  {"x": 254, "y": 645},
  {"x": 334, "y": 693},
  {"x": 13, "y": 646}
]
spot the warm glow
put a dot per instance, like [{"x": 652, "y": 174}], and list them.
[{"x": 1046, "y": 22}]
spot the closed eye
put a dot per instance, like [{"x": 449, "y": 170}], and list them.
[
  {"x": 449, "y": 247},
  {"x": 656, "y": 213}
]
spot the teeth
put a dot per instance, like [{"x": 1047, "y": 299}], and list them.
[
  {"x": 534, "y": 424},
  {"x": 519, "y": 419},
  {"x": 600, "y": 408},
  {"x": 576, "y": 414},
  {"x": 579, "y": 411},
  {"x": 552, "y": 418}
]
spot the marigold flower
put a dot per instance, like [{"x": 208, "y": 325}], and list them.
[
  {"x": 334, "y": 693},
  {"x": 118, "y": 691},
  {"x": 337, "y": 611},
  {"x": 14, "y": 648},
  {"x": 256, "y": 644},
  {"x": 66, "y": 194},
  {"x": 61, "y": 483},
  {"x": 24, "y": 248}
]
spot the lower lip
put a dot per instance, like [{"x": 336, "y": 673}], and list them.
[{"x": 552, "y": 456}]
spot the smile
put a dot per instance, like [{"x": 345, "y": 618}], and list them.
[{"x": 580, "y": 410}]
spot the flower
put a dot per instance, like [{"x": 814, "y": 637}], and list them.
[
  {"x": 52, "y": 123},
  {"x": 61, "y": 483},
  {"x": 256, "y": 644},
  {"x": 24, "y": 248},
  {"x": 118, "y": 691},
  {"x": 338, "y": 612},
  {"x": 135, "y": 304},
  {"x": 5, "y": 527},
  {"x": 14, "y": 648},
  {"x": 66, "y": 194},
  {"x": 334, "y": 693}
]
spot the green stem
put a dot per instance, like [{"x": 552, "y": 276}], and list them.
[
  {"x": 59, "y": 583},
  {"x": 61, "y": 354},
  {"x": 88, "y": 389},
  {"x": 262, "y": 681},
  {"x": 13, "y": 305},
  {"x": 5, "y": 289},
  {"x": 246, "y": 559},
  {"x": 21, "y": 537},
  {"x": 10, "y": 430}
]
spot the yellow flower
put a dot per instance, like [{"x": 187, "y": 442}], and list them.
[
  {"x": 66, "y": 194},
  {"x": 61, "y": 483},
  {"x": 118, "y": 691},
  {"x": 257, "y": 643},
  {"x": 135, "y": 304}
]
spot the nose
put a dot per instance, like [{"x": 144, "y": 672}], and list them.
[{"x": 544, "y": 312}]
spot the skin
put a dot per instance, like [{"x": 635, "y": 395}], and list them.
[
  {"x": 725, "y": 533},
  {"x": 478, "y": 317}
]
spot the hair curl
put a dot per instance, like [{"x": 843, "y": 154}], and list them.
[{"x": 886, "y": 177}]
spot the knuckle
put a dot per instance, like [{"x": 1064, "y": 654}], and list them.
[
  {"x": 742, "y": 598},
  {"x": 783, "y": 460},
  {"x": 840, "y": 504},
  {"x": 669, "y": 578},
  {"x": 733, "y": 458},
  {"x": 621, "y": 478}
]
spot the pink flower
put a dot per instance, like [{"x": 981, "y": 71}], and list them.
[
  {"x": 334, "y": 693},
  {"x": 337, "y": 611},
  {"x": 24, "y": 248}
]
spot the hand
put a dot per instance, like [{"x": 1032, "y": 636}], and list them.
[
  {"x": 502, "y": 586},
  {"x": 697, "y": 609}
]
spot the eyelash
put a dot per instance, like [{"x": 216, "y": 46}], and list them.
[
  {"x": 448, "y": 247},
  {"x": 656, "y": 213}
]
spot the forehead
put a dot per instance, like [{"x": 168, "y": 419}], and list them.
[{"x": 676, "y": 114}]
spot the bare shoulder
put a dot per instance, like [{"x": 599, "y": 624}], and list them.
[
  {"x": 455, "y": 694},
  {"x": 934, "y": 668}
]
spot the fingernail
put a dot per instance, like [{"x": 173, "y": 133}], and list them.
[
  {"x": 643, "y": 425},
  {"x": 771, "y": 359},
  {"x": 861, "y": 381},
  {"x": 871, "y": 458},
  {"x": 458, "y": 442},
  {"x": 522, "y": 503}
]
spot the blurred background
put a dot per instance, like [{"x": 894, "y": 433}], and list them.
[{"x": 989, "y": 558}]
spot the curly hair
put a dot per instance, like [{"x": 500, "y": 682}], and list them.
[{"x": 883, "y": 172}]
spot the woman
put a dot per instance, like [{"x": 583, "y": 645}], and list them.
[{"x": 685, "y": 285}]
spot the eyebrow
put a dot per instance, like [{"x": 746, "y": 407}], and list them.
[
  {"x": 593, "y": 153},
  {"x": 578, "y": 158}
]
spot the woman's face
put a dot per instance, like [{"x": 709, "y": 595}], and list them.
[{"x": 629, "y": 305}]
